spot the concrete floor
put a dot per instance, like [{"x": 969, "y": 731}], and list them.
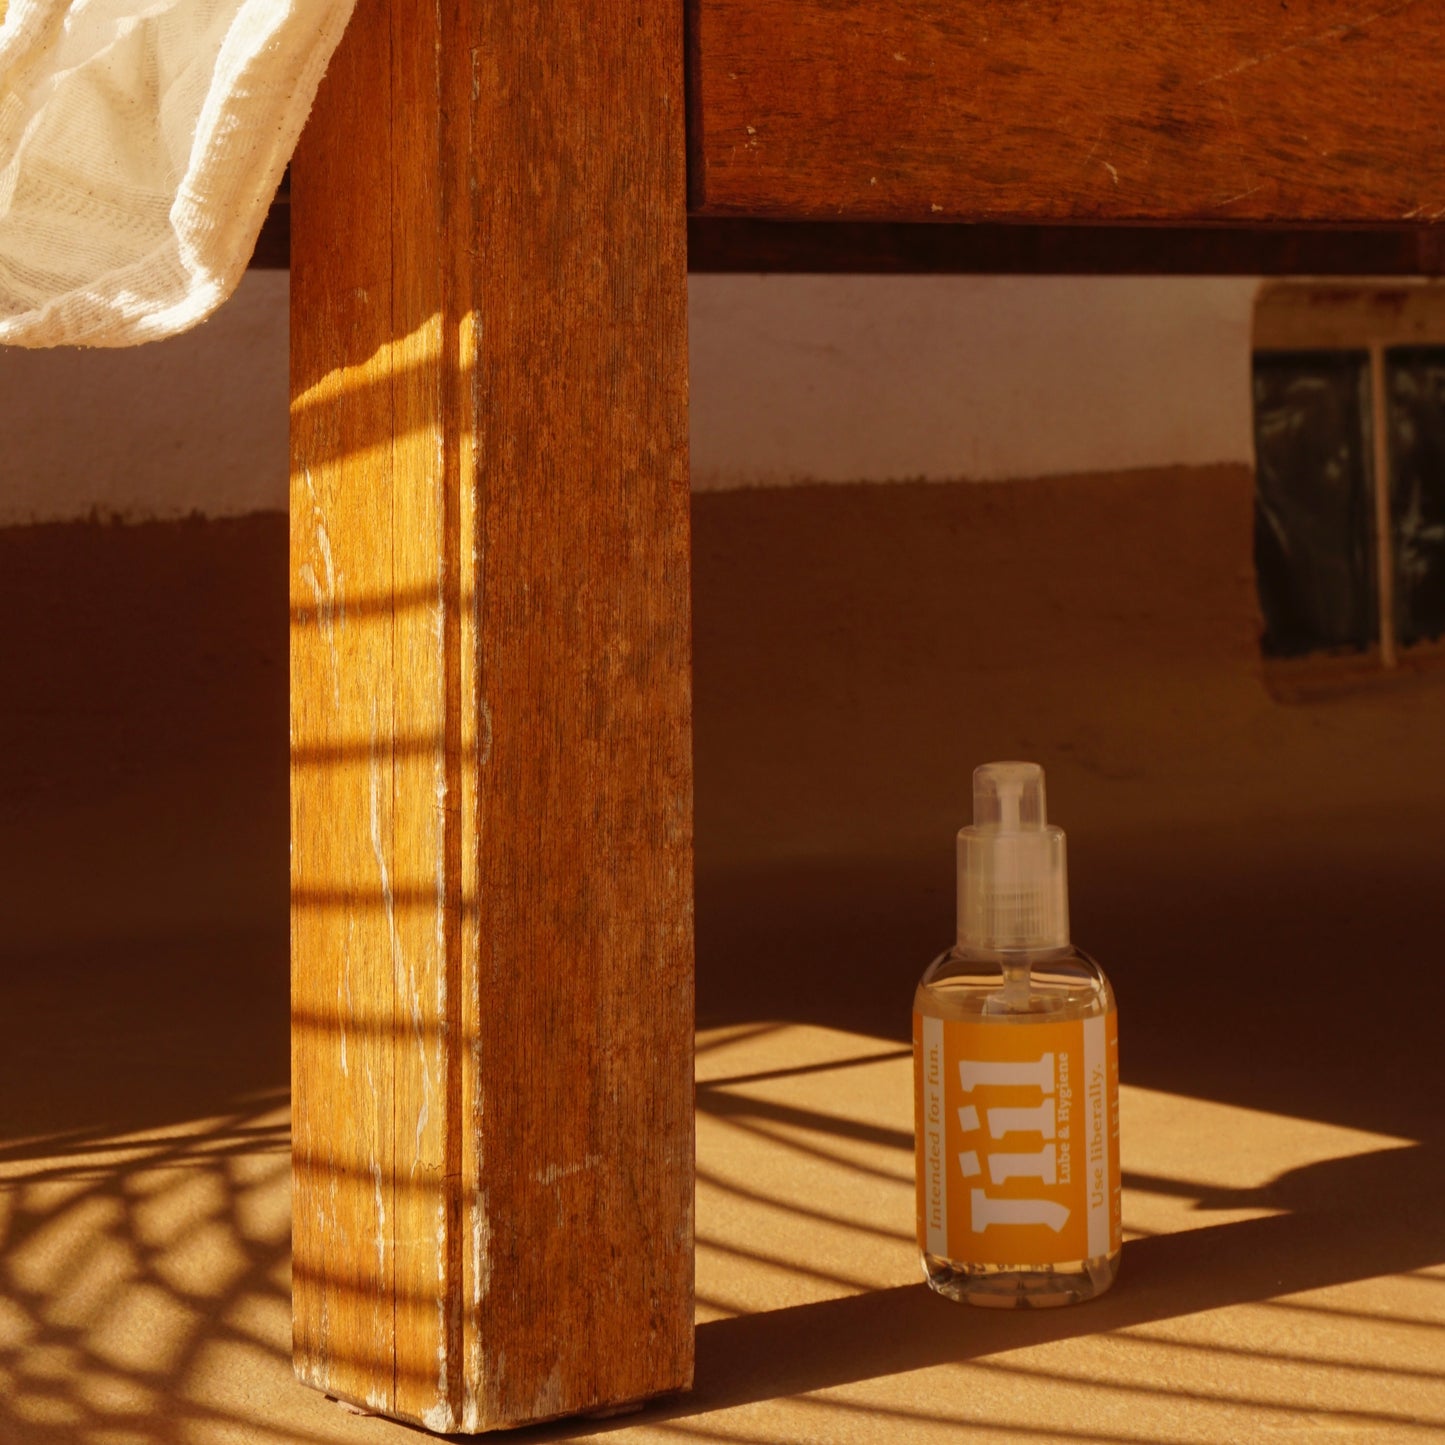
[{"x": 1262, "y": 878}]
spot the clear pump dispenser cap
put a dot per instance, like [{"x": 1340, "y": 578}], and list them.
[{"x": 1013, "y": 891}]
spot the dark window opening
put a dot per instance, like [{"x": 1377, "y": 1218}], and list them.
[
  {"x": 1415, "y": 384},
  {"x": 1314, "y": 541},
  {"x": 1319, "y": 552}
]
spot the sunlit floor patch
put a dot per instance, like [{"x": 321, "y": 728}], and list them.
[{"x": 1283, "y": 1278}]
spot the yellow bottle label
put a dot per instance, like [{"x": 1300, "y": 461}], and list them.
[{"x": 1017, "y": 1139}]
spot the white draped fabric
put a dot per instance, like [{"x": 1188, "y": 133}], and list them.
[{"x": 141, "y": 142}]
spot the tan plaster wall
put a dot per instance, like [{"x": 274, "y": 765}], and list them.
[
  {"x": 794, "y": 379},
  {"x": 882, "y": 378},
  {"x": 191, "y": 426},
  {"x": 857, "y": 651}
]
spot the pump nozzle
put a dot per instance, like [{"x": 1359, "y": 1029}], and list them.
[
  {"x": 1012, "y": 883},
  {"x": 1008, "y": 795}
]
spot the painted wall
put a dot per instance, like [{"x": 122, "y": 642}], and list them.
[
  {"x": 834, "y": 379},
  {"x": 196, "y": 424},
  {"x": 857, "y": 649},
  {"x": 942, "y": 378}
]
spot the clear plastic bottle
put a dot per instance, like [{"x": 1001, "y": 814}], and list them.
[{"x": 1016, "y": 1073}]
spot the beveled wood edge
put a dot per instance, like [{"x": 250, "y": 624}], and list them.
[
  {"x": 728, "y": 244},
  {"x": 737, "y": 245}
]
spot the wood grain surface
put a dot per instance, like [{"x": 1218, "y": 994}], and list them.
[
  {"x": 1216, "y": 111},
  {"x": 491, "y": 761}
]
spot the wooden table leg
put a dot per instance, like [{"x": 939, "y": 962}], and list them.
[{"x": 491, "y": 775}]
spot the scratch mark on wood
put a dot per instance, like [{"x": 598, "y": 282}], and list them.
[
  {"x": 387, "y": 899},
  {"x": 380, "y": 1219},
  {"x": 442, "y": 1359},
  {"x": 400, "y": 973},
  {"x": 1333, "y": 32},
  {"x": 553, "y": 1172},
  {"x": 344, "y": 1005},
  {"x": 484, "y": 743},
  {"x": 1230, "y": 200},
  {"x": 481, "y": 1250},
  {"x": 324, "y": 593}
]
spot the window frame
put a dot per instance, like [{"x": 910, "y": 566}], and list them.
[{"x": 1372, "y": 317}]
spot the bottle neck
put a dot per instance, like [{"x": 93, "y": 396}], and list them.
[{"x": 1013, "y": 957}]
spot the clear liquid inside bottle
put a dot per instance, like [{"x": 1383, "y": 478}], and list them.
[{"x": 1016, "y": 990}]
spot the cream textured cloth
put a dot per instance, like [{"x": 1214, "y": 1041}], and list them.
[{"x": 141, "y": 142}]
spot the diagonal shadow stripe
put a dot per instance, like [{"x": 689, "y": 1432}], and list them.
[{"x": 1356, "y": 1218}]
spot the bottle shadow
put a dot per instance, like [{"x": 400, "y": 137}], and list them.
[{"x": 1343, "y": 1220}]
